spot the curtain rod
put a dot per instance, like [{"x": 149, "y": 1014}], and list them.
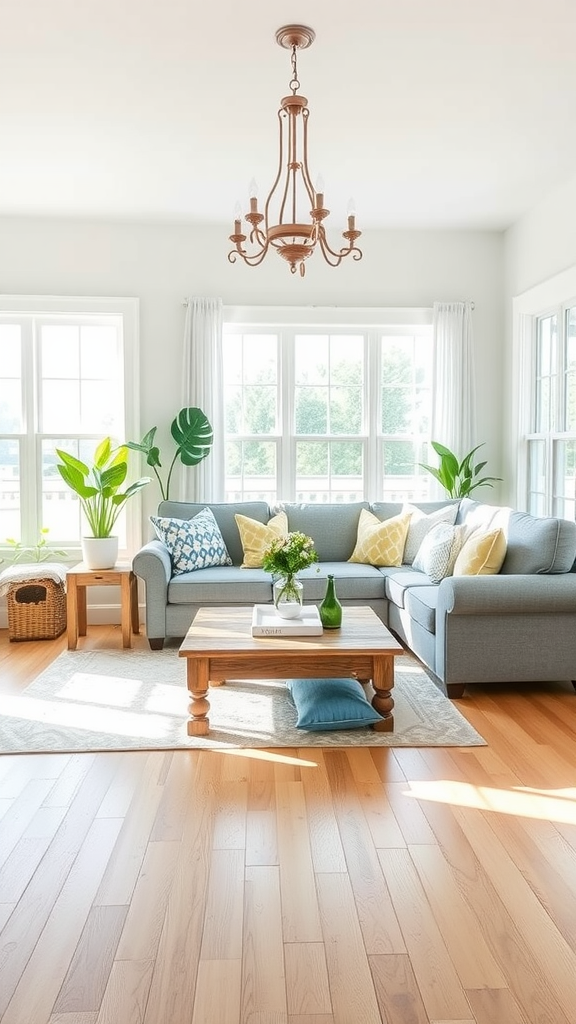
[{"x": 186, "y": 303}]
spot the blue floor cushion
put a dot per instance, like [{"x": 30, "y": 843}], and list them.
[{"x": 331, "y": 704}]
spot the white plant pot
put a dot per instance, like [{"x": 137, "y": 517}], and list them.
[{"x": 100, "y": 552}]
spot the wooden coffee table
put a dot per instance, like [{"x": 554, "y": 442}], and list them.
[{"x": 219, "y": 645}]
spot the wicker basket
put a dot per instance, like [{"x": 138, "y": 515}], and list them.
[{"x": 36, "y": 610}]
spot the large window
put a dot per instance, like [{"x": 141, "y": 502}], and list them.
[
  {"x": 322, "y": 413},
  {"x": 64, "y": 366},
  {"x": 551, "y": 438}
]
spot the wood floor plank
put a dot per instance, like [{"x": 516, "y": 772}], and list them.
[
  {"x": 351, "y": 986},
  {"x": 380, "y": 928},
  {"x": 218, "y": 992},
  {"x": 525, "y": 976},
  {"x": 263, "y": 979},
  {"x": 261, "y": 837},
  {"x": 34, "y": 997},
  {"x": 16, "y": 821},
  {"x": 553, "y": 953},
  {"x": 223, "y": 921},
  {"x": 120, "y": 878},
  {"x": 325, "y": 841},
  {"x": 172, "y": 990},
  {"x": 300, "y": 913},
  {"x": 73, "y": 1018},
  {"x": 493, "y": 1006},
  {"x": 69, "y": 779},
  {"x": 230, "y": 811},
  {"x": 440, "y": 986},
  {"x": 25, "y": 924},
  {"x": 408, "y": 813},
  {"x": 87, "y": 976},
  {"x": 145, "y": 918},
  {"x": 174, "y": 799},
  {"x": 474, "y": 963},
  {"x": 397, "y": 990},
  {"x": 307, "y": 978},
  {"x": 126, "y": 992}
]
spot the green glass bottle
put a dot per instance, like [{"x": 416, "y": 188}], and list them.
[{"x": 331, "y": 609}]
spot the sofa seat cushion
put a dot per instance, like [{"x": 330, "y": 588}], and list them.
[
  {"x": 353, "y": 582},
  {"x": 221, "y": 585},
  {"x": 421, "y": 606},
  {"x": 399, "y": 581}
]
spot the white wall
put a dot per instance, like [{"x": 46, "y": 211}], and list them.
[{"x": 161, "y": 264}]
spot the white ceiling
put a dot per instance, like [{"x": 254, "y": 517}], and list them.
[{"x": 431, "y": 113}]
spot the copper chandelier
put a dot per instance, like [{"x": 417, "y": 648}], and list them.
[{"x": 292, "y": 222}]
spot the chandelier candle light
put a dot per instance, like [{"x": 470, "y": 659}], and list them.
[{"x": 295, "y": 235}]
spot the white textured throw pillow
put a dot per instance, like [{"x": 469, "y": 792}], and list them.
[
  {"x": 421, "y": 524},
  {"x": 439, "y": 550}
]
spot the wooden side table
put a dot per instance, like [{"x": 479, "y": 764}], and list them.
[{"x": 79, "y": 577}]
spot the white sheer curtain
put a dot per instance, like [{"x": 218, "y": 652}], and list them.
[
  {"x": 201, "y": 387},
  {"x": 453, "y": 390}
]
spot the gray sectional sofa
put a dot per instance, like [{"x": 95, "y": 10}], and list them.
[{"x": 518, "y": 625}]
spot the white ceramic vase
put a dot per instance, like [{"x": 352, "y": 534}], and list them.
[{"x": 100, "y": 552}]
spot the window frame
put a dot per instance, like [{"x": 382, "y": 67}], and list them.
[
  {"x": 70, "y": 307},
  {"x": 553, "y": 297},
  {"x": 374, "y": 323}
]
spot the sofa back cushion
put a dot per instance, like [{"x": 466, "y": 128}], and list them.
[
  {"x": 333, "y": 527},
  {"x": 224, "y": 515},
  {"x": 534, "y": 544}
]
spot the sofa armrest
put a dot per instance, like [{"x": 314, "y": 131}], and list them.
[
  {"x": 507, "y": 595},
  {"x": 152, "y": 563}
]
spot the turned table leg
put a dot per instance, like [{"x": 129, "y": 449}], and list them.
[
  {"x": 383, "y": 683},
  {"x": 199, "y": 706}
]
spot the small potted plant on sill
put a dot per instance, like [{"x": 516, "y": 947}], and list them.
[{"x": 98, "y": 488}]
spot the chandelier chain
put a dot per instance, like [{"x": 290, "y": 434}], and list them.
[{"x": 294, "y": 83}]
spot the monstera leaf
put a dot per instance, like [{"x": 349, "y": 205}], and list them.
[{"x": 193, "y": 435}]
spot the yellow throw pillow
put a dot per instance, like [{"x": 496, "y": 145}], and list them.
[
  {"x": 256, "y": 537},
  {"x": 380, "y": 543},
  {"x": 482, "y": 554}
]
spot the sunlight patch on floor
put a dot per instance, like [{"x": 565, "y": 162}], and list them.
[{"x": 549, "y": 805}]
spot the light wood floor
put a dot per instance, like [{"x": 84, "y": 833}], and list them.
[{"x": 352, "y": 886}]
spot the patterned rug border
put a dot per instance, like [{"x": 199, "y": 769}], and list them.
[{"x": 91, "y": 701}]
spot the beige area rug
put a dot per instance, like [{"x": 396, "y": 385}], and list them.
[{"x": 137, "y": 700}]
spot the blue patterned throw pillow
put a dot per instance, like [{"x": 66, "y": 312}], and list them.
[{"x": 193, "y": 543}]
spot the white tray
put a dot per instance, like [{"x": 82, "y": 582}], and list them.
[{"x": 267, "y": 622}]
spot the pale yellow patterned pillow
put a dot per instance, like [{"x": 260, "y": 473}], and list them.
[
  {"x": 256, "y": 537},
  {"x": 380, "y": 543},
  {"x": 482, "y": 554}
]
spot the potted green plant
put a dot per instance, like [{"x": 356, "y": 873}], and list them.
[
  {"x": 98, "y": 488},
  {"x": 193, "y": 436},
  {"x": 458, "y": 478}
]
